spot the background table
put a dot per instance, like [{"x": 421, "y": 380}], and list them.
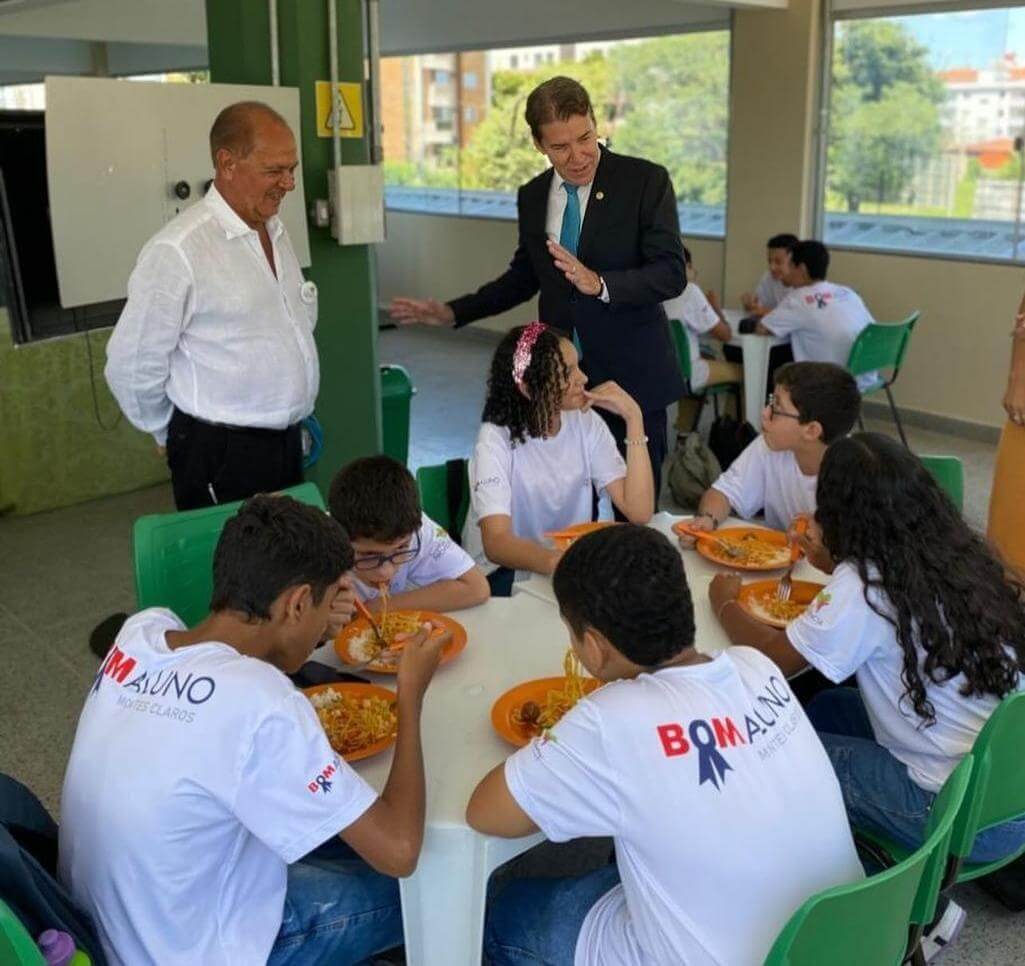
[
  {"x": 509, "y": 640},
  {"x": 756, "y": 349}
]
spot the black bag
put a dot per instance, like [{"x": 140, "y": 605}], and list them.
[
  {"x": 1007, "y": 885},
  {"x": 728, "y": 439}
]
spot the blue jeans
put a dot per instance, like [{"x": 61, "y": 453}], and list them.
[
  {"x": 535, "y": 920},
  {"x": 337, "y": 910},
  {"x": 877, "y": 790}
]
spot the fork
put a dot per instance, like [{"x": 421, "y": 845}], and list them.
[
  {"x": 727, "y": 548},
  {"x": 785, "y": 586},
  {"x": 365, "y": 612}
]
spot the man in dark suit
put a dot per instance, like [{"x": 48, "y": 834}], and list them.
[{"x": 599, "y": 237}]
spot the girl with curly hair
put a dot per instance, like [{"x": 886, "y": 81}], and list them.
[
  {"x": 541, "y": 450},
  {"x": 922, "y": 613}
]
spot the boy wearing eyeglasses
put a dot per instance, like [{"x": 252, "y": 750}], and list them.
[
  {"x": 397, "y": 546},
  {"x": 812, "y": 404}
]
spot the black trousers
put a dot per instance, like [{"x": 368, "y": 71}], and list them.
[
  {"x": 213, "y": 464},
  {"x": 655, "y": 423}
]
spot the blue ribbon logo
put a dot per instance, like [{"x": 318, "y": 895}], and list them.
[{"x": 712, "y": 767}]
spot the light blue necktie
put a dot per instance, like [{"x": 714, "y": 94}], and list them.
[{"x": 569, "y": 237}]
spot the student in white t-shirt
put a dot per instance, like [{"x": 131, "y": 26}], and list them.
[
  {"x": 700, "y": 315},
  {"x": 397, "y": 545},
  {"x": 772, "y": 286},
  {"x": 813, "y": 404},
  {"x": 822, "y": 319},
  {"x": 542, "y": 451},
  {"x": 922, "y": 613},
  {"x": 201, "y": 782},
  {"x": 705, "y": 771}
]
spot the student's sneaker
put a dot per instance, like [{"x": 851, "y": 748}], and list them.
[{"x": 942, "y": 933}]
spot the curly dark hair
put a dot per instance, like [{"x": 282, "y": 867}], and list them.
[
  {"x": 375, "y": 498},
  {"x": 628, "y": 583},
  {"x": 881, "y": 510},
  {"x": 271, "y": 544},
  {"x": 545, "y": 379}
]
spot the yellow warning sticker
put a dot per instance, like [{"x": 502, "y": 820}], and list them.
[{"x": 346, "y": 110}]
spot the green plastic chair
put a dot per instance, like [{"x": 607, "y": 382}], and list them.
[
  {"x": 948, "y": 471},
  {"x": 878, "y": 919},
  {"x": 882, "y": 346},
  {"x": 445, "y": 494},
  {"x": 17, "y": 947},
  {"x": 397, "y": 392},
  {"x": 174, "y": 554},
  {"x": 682, "y": 344},
  {"x": 995, "y": 795}
]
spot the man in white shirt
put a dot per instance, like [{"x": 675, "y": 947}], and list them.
[
  {"x": 214, "y": 352},
  {"x": 201, "y": 781},
  {"x": 692, "y": 764},
  {"x": 772, "y": 286},
  {"x": 822, "y": 319}
]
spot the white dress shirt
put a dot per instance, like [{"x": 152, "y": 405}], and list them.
[
  {"x": 557, "y": 208},
  {"x": 210, "y": 329}
]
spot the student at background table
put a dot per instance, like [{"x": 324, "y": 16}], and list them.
[
  {"x": 772, "y": 286},
  {"x": 706, "y": 772}
]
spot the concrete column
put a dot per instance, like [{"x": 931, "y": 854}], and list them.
[
  {"x": 238, "y": 33},
  {"x": 774, "y": 76}
]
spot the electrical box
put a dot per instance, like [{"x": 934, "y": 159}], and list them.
[
  {"x": 356, "y": 197},
  {"x": 123, "y": 158}
]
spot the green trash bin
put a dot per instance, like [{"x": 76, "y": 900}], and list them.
[{"x": 396, "y": 392}]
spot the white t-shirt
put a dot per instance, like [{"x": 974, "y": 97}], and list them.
[
  {"x": 692, "y": 308},
  {"x": 197, "y": 775},
  {"x": 724, "y": 807},
  {"x": 770, "y": 291},
  {"x": 841, "y": 635},
  {"x": 770, "y": 480},
  {"x": 440, "y": 558},
  {"x": 542, "y": 484},
  {"x": 822, "y": 320}
]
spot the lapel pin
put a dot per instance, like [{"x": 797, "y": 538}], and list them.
[{"x": 600, "y": 195}]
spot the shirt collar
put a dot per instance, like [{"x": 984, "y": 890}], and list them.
[{"x": 231, "y": 221}]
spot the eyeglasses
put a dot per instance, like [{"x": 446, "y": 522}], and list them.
[
  {"x": 771, "y": 405},
  {"x": 373, "y": 561}
]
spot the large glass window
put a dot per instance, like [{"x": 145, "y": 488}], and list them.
[
  {"x": 463, "y": 147},
  {"x": 926, "y": 120}
]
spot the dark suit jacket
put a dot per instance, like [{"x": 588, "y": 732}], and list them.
[{"x": 631, "y": 237}]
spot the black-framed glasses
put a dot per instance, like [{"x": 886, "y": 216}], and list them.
[
  {"x": 375, "y": 560},
  {"x": 771, "y": 404}
]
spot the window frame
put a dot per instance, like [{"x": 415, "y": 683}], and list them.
[{"x": 831, "y": 17}]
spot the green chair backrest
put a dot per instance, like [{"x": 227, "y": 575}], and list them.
[
  {"x": 439, "y": 502},
  {"x": 174, "y": 554},
  {"x": 682, "y": 344},
  {"x": 868, "y": 921},
  {"x": 997, "y": 789},
  {"x": 948, "y": 471},
  {"x": 881, "y": 345},
  {"x": 17, "y": 947}
]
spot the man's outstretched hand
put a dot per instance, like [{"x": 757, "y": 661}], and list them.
[{"x": 407, "y": 311}]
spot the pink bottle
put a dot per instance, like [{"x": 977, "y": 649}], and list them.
[{"x": 57, "y": 947}]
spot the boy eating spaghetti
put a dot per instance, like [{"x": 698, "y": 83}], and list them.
[
  {"x": 201, "y": 782},
  {"x": 399, "y": 549},
  {"x": 812, "y": 404},
  {"x": 692, "y": 764}
]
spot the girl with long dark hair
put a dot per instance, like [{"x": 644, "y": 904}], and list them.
[
  {"x": 924, "y": 615},
  {"x": 541, "y": 452}
]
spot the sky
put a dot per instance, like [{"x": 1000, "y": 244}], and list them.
[{"x": 970, "y": 38}]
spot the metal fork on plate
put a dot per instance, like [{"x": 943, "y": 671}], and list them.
[{"x": 785, "y": 587}]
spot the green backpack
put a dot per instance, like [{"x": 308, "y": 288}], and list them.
[{"x": 693, "y": 468}]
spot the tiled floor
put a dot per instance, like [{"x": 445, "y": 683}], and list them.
[{"x": 60, "y": 572}]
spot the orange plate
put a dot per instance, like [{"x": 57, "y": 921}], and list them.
[
  {"x": 361, "y": 624},
  {"x": 357, "y": 690},
  {"x": 514, "y": 698},
  {"x": 565, "y": 537},
  {"x": 707, "y": 549},
  {"x": 801, "y": 592}
]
